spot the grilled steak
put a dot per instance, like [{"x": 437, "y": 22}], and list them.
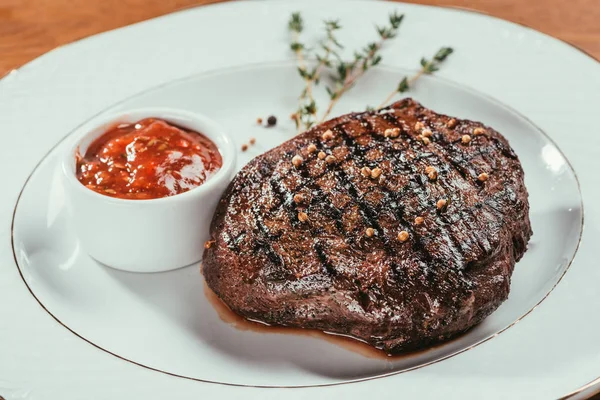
[{"x": 399, "y": 227}]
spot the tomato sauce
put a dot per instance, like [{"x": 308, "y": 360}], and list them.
[{"x": 147, "y": 160}]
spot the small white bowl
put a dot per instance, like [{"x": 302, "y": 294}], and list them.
[{"x": 146, "y": 235}]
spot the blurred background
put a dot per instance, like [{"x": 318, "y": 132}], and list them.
[{"x": 29, "y": 28}]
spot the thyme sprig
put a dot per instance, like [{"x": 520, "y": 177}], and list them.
[
  {"x": 305, "y": 116},
  {"x": 344, "y": 74},
  {"x": 347, "y": 73},
  {"x": 427, "y": 67},
  {"x": 296, "y": 26}
]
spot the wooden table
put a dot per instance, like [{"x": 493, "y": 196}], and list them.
[
  {"x": 30, "y": 28},
  {"x": 33, "y": 27}
]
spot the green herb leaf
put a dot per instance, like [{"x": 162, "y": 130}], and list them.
[
  {"x": 403, "y": 85},
  {"x": 310, "y": 108},
  {"x": 396, "y": 19},
  {"x": 443, "y": 53},
  {"x": 376, "y": 60},
  {"x": 332, "y": 25},
  {"x": 302, "y": 72},
  {"x": 296, "y": 24},
  {"x": 338, "y": 44},
  {"x": 342, "y": 71},
  {"x": 332, "y": 94}
]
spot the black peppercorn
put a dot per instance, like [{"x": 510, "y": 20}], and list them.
[{"x": 272, "y": 120}]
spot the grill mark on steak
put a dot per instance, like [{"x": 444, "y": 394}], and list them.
[
  {"x": 357, "y": 153},
  {"x": 318, "y": 196},
  {"x": 438, "y": 162},
  {"x": 233, "y": 244},
  {"x": 284, "y": 194},
  {"x": 326, "y": 274},
  {"x": 458, "y": 158},
  {"x": 366, "y": 212},
  {"x": 323, "y": 257},
  {"x": 317, "y": 193},
  {"x": 441, "y": 155},
  {"x": 285, "y": 197}
]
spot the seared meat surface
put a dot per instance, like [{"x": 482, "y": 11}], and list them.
[{"x": 400, "y": 227}]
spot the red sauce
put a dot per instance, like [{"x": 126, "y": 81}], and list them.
[{"x": 147, "y": 160}]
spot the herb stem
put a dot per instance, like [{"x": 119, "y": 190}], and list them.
[
  {"x": 355, "y": 73},
  {"x": 309, "y": 81},
  {"x": 307, "y": 108},
  {"x": 410, "y": 82},
  {"x": 348, "y": 83},
  {"x": 427, "y": 67},
  {"x": 301, "y": 65}
]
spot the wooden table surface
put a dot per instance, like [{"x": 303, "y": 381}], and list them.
[{"x": 29, "y": 28}]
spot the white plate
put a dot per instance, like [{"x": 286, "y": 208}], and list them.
[
  {"x": 127, "y": 314},
  {"x": 164, "y": 321}
]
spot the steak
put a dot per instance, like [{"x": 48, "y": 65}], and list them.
[{"x": 398, "y": 227}]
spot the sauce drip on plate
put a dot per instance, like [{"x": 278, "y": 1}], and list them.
[
  {"x": 148, "y": 159},
  {"x": 346, "y": 342}
]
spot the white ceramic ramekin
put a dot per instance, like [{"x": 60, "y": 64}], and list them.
[{"x": 146, "y": 235}]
